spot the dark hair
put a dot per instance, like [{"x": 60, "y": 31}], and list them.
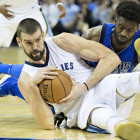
[
  {"x": 129, "y": 10},
  {"x": 28, "y": 26}
]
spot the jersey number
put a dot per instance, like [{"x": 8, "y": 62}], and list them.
[{"x": 122, "y": 68}]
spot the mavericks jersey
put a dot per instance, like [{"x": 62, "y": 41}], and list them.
[{"x": 128, "y": 56}]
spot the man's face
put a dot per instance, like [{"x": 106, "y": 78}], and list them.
[
  {"x": 33, "y": 45},
  {"x": 124, "y": 30}
]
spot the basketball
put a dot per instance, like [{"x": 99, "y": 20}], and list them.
[{"x": 56, "y": 89}]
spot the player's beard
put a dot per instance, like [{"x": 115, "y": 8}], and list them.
[
  {"x": 35, "y": 58},
  {"x": 119, "y": 41}
]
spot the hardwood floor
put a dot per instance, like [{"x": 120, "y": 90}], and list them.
[{"x": 17, "y": 121}]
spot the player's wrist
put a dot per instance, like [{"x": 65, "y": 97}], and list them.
[
  {"x": 59, "y": 3},
  {"x": 86, "y": 86}
]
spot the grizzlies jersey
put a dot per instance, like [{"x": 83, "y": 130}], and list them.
[
  {"x": 77, "y": 111},
  {"x": 69, "y": 63},
  {"x": 128, "y": 56},
  {"x": 72, "y": 65}
]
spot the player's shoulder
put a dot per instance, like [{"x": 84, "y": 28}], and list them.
[
  {"x": 23, "y": 75},
  {"x": 50, "y": 40},
  {"x": 23, "y": 79},
  {"x": 31, "y": 68},
  {"x": 93, "y": 33}
]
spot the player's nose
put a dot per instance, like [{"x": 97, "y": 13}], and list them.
[
  {"x": 124, "y": 33},
  {"x": 35, "y": 46}
]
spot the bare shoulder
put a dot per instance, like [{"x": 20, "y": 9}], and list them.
[
  {"x": 23, "y": 84},
  {"x": 23, "y": 81},
  {"x": 70, "y": 42},
  {"x": 24, "y": 77},
  {"x": 93, "y": 33},
  {"x": 63, "y": 35}
]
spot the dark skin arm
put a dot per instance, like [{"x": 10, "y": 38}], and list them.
[
  {"x": 5, "y": 12},
  {"x": 62, "y": 11},
  {"x": 93, "y": 33}
]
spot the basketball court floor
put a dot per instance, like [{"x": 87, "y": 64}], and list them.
[{"x": 17, "y": 121}]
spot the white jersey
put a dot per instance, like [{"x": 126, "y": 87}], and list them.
[
  {"x": 18, "y": 3},
  {"x": 72, "y": 65},
  {"x": 22, "y": 9},
  {"x": 101, "y": 95},
  {"x": 69, "y": 63}
]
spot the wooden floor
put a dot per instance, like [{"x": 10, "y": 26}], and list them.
[
  {"x": 13, "y": 55},
  {"x": 17, "y": 121}
]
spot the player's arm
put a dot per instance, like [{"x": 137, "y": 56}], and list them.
[
  {"x": 29, "y": 89},
  {"x": 92, "y": 33},
  {"x": 92, "y": 51},
  {"x": 5, "y": 12},
  {"x": 62, "y": 10}
]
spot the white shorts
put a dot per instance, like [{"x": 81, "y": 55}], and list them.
[
  {"x": 8, "y": 27},
  {"x": 101, "y": 95}
]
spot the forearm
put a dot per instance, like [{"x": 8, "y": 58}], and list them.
[
  {"x": 40, "y": 109},
  {"x": 105, "y": 66}
]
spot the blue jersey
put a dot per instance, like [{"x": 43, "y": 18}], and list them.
[{"x": 128, "y": 56}]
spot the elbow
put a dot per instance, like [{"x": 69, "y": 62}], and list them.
[
  {"x": 117, "y": 59},
  {"x": 113, "y": 58},
  {"x": 48, "y": 127}
]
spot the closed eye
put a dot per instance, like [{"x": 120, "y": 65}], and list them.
[
  {"x": 29, "y": 43},
  {"x": 38, "y": 40},
  {"x": 130, "y": 30}
]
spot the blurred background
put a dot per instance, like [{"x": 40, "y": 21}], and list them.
[{"x": 80, "y": 15}]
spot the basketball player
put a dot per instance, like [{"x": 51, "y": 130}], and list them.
[
  {"x": 13, "y": 11},
  {"x": 98, "y": 104},
  {"x": 120, "y": 37},
  {"x": 107, "y": 35}
]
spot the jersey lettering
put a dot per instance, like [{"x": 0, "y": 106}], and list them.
[
  {"x": 122, "y": 68},
  {"x": 67, "y": 66}
]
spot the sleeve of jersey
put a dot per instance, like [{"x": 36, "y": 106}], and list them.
[
  {"x": 91, "y": 64},
  {"x": 137, "y": 46}
]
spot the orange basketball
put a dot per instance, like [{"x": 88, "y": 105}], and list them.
[{"x": 56, "y": 89}]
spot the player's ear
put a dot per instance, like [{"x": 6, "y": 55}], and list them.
[
  {"x": 18, "y": 42},
  {"x": 43, "y": 35}
]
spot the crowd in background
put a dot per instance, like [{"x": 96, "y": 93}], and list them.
[{"x": 80, "y": 14}]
